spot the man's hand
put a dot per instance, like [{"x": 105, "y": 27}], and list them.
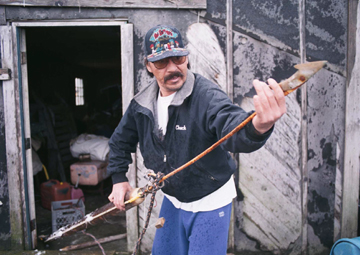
[
  {"x": 117, "y": 195},
  {"x": 269, "y": 105}
]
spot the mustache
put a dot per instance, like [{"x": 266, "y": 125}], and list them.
[{"x": 172, "y": 75}]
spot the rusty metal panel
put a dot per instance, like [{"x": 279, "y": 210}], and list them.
[{"x": 326, "y": 31}]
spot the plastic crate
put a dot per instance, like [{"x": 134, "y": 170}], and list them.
[{"x": 66, "y": 212}]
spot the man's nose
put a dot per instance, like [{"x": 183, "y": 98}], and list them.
[{"x": 171, "y": 65}]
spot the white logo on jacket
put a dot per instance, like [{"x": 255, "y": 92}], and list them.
[{"x": 178, "y": 127}]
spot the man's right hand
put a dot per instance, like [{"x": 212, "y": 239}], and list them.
[{"x": 117, "y": 195}]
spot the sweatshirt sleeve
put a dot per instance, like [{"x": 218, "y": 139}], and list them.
[{"x": 122, "y": 143}]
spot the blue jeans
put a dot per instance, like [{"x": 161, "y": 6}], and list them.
[{"x": 188, "y": 233}]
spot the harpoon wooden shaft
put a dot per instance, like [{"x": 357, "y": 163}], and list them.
[
  {"x": 212, "y": 147},
  {"x": 137, "y": 196}
]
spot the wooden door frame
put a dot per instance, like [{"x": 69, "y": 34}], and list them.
[
  {"x": 17, "y": 122},
  {"x": 350, "y": 192}
]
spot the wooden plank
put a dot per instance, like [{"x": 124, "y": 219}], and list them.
[
  {"x": 21, "y": 171},
  {"x": 72, "y": 23},
  {"x": 326, "y": 134},
  {"x": 168, "y": 4},
  {"x": 338, "y": 195},
  {"x": 127, "y": 64},
  {"x": 2, "y": 16},
  {"x": 206, "y": 56},
  {"x": 229, "y": 51},
  {"x": 127, "y": 83},
  {"x": 148, "y": 239},
  {"x": 303, "y": 133},
  {"x": 276, "y": 234},
  {"x": 27, "y": 132},
  {"x": 132, "y": 221},
  {"x": 276, "y": 165},
  {"x": 270, "y": 181},
  {"x": 12, "y": 133},
  {"x": 349, "y": 216},
  {"x": 230, "y": 93},
  {"x": 93, "y": 243},
  {"x": 351, "y": 46}
]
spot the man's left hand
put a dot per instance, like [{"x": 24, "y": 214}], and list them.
[{"x": 269, "y": 105}]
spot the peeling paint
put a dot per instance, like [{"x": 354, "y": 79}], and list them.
[
  {"x": 206, "y": 56},
  {"x": 315, "y": 246},
  {"x": 256, "y": 60},
  {"x": 276, "y": 175},
  {"x": 321, "y": 197},
  {"x": 326, "y": 24},
  {"x": 275, "y": 22},
  {"x": 216, "y": 9}
]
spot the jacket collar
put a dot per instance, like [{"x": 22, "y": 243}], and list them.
[
  {"x": 147, "y": 97},
  {"x": 186, "y": 90}
]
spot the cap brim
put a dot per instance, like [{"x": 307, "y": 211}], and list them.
[{"x": 177, "y": 52}]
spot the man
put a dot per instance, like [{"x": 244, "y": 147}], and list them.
[{"x": 175, "y": 118}]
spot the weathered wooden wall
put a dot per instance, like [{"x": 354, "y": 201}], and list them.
[
  {"x": 271, "y": 216},
  {"x": 277, "y": 175},
  {"x": 4, "y": 190}
]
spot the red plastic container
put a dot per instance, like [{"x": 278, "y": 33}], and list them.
[
  {"x": 77, "y": 193},
  {"x": 53, "y": 190}
]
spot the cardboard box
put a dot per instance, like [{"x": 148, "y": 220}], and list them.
[{"x": 91, "y": 172}]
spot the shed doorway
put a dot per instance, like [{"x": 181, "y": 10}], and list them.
[{"x": 72, "y": 74}]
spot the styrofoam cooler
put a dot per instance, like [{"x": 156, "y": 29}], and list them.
[{"x": 89, "y": 172}]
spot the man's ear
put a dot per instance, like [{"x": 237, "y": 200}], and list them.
[{"x": 148, "y": 67}]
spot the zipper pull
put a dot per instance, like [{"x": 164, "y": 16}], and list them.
[{"x": 164, "y": 158}]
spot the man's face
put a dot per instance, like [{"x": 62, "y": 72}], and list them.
[{"x": 170, "y": 78}]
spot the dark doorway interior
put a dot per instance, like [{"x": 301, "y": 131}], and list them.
[{"x": 56, "y": 56}]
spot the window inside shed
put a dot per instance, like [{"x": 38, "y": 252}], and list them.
[
  {"x": 79, "y": 91},
  {"x": 74, "y": 79}
]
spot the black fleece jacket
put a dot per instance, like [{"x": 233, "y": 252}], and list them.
[{"x": 199, "y": 115}]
